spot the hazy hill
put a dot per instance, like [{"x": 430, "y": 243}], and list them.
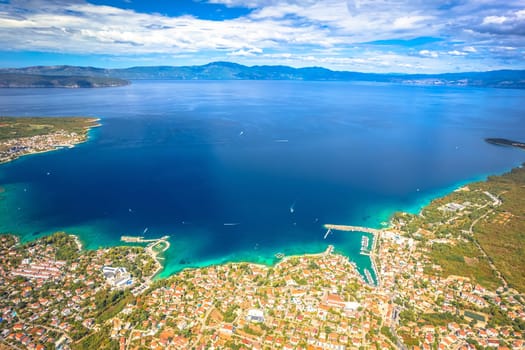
[
  {"x": 23, "y": 80},
  {"x": 233, "y": 71}
]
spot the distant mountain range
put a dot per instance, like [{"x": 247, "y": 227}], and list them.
[
  {"x": 23, "y": 80},
  {"x": 233, "y": 71}
]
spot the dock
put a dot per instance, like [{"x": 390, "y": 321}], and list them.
[
  {"x": 351, "y": 228},
  {"x": 327, "y": 233},
  {"x": 140, "y": 239}
]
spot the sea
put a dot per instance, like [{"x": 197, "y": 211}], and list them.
[{"x": 243, "y": 170}]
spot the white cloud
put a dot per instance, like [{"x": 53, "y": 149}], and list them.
[
  {"x": 302, "y": 32},
  {"x": 409, "y": 22},
  {"x": 494, "y": 19},
  {"x": 428, "y": 53},
  {"x": 457, "y": 53},
  {"x": 246, "y": 52}
]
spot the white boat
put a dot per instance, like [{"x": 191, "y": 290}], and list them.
[
  {"x": 368, "y": 276},
  {"x": 364, "y": 243}
]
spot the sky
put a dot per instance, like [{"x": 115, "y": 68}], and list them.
[{"x": 405, "y": 36}]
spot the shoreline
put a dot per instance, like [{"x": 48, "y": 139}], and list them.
[
  {"x": 84, "y": 138},
  {"x": 376, "y": 237}
]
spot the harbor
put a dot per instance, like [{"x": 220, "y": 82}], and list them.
[
  {"x": 365, "y": 246},
  {"x": 155, "y": 248}
]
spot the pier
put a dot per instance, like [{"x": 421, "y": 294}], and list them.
[
  {"x": 351, "y": 228},
  {"x": 140, "y": 239}
]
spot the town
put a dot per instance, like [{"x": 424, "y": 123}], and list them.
[
  {"x": 438, "y": 286},
  {"x": 15, "y": 148},
  {"x": 21, "y": 136}
]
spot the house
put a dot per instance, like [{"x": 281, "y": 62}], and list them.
[{"x": 335, "y": 300}]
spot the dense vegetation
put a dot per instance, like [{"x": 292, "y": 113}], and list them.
[
  {"x": 66, "y": 248},
  {"x": 484, "y": 233},
  {"x": 502, "y": 234},
  {"x": 17, "y": 127}
]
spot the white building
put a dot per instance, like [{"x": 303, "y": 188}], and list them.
[{"x": 117, "y": 277}]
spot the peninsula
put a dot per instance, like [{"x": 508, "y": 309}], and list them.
[
  {"x": 506, "y": 142},
  {"x": 21, "y": 136}
]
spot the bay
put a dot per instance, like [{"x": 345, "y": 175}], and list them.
[{"x": 241, "y": 170}]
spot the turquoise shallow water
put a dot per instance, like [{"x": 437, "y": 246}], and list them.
[{"x": 186, "y": 158}]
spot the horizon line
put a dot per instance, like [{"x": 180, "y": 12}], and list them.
[{"x": 255, "y": 66}]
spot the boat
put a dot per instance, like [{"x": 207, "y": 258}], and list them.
[
  {"x": 279, "y": 255},
  {"x": 368, "y": 276},
  {"x": 231, "y": 223},
  {"x": 364, "y": 243}
]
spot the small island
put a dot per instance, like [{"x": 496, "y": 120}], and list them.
[
  {"x": 21, "y": 136},
  {"x": 505, "y": 142}
]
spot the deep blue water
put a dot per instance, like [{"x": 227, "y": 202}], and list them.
[{"x": 184, "y": 158}]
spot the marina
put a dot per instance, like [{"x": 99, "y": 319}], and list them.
[{"x": 365, "y": 244}]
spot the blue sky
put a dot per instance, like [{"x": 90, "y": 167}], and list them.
[{"x": 416, "y": 36}]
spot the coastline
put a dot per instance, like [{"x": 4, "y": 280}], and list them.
[
  {"x": 376, "y": 237},
  {"x": 269, "y": 263},
  {"x": 84, "y": 138}
]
